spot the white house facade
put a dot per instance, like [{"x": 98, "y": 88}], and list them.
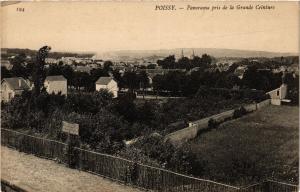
[
  {"x": 109, "y": 84},
  {"x": 56, "y": 84},
  {"x": 278, "y": 95},
  {"x": 10, "y": 87}
]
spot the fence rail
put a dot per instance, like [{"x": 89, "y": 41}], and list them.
[
  {"x": 127, "y": 171},
  {"x": 270, "y": 186},
  {"x": 9, "y": 187},
  {"x": 38, "y": 146}
]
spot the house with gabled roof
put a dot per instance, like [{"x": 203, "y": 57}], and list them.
[
  {"x": 56, "y": 84},
  {"x": 278, "y": 96},
  {"x": 109, "y": 84},
  {"x": 11, "y": 87}
]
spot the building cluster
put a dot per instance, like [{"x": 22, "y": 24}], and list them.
[
  {"x": 77, "y": 63},
  {"x": 14, "y": 86},
  {"x": 58, "y": 84}
]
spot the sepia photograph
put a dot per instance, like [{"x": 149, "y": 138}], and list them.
[{"x": 159, "y": 96}]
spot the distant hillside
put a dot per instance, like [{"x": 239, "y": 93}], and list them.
[
  {"x": 136, "y": 54},
  {"x": 154, "y": 55},
  {"x": 30, "y": 52}
]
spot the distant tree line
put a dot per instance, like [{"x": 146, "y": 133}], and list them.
[
  {"x": 32, "y": 53},
  {"x": 185, "y": 62}
]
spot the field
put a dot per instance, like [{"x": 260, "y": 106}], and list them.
[{"x": 259, "y": 145}]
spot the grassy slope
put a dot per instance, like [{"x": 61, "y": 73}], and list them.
[{"x": 262, "y": 144}]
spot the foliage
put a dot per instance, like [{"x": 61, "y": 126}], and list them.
[
  {"x": 126, "y": 108},
  {"x": 151, "y": 66},
  {"x": 186, "y": 63},
  {"x": 87, "y": 102},
  {"x": 241, "y": 111},
  {"x": 153, "y": 150},
  {"x": 107, "y": 66},
  {"x": 38, "y": 69},
  {"x": 18, "y": 63},
  {"x": 5, "y": 73},
  {"x": 130, "y": 80},
  {"x": 212, "y": 123},
  {"x": 173, "y": 82},
  {"x": 168, "y": 62}
]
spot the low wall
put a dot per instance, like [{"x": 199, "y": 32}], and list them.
[
  {"x": 275, "y": 101},
  {"x": 185, "y": 134},
  {"x": 251, "y": 107},
  {"x": 264, "y": 103}
]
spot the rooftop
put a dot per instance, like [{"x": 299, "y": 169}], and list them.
[
  {"x": 104, "y": 80},
  {"x": 16, "y": 83},
  {"x": 55, "y": 78}
]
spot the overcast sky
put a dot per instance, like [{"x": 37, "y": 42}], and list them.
[{"x": 105, "y": 26}]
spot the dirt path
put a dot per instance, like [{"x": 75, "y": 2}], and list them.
[{"x": 37, "y": 175}]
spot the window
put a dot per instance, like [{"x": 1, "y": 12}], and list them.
[
  {"x": 9, "y": 95},
  {"x": 277, "y": 92}
]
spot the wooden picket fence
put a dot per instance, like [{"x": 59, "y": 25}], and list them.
[
  {"x": 41, "y": 147},
  {"x": 126, "y": 171},
  {"x": 270, "y": 186},
  {"x": 6, "y": 186}
]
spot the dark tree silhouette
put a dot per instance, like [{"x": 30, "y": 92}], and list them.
[
  {"x": 18, "y": 63},
  {"x": 184, "y": 63},
  {"x": 38, "y": 69}
]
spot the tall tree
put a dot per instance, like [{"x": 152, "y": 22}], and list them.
[
  {"x": 184, "y": 63},
  {"x": 168, "y": 62},
  {"x": 206, "y": 60},
  {"x": 38, "y": 69},
  {"x": 18, "y": 63},
  {"x": 131, "y": 80},
  {"x": 107, "y": 66},
  {"x": 196, "y": 61},
  {"x": 5, "y": 73},
  {"x": 144, "y": 81}
]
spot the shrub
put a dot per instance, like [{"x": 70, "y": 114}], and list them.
[
  {"x": 212, "y": 123},
  {"x": 183, "y": 160},
  {"x": 239, "y": 112}
]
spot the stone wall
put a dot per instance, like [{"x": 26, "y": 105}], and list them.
[{"x": 185, "y": 134}]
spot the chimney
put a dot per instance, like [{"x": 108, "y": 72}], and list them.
[{"x": 20, "y": 82}]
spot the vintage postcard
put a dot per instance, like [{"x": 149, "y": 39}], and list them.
[{"x": 171, "y": 96}]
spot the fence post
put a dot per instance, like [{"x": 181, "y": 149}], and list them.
[
  {"x": 134, "y": 173},
  {"x": 79, "y": 159},
  {"x": 266, "y": 186},
  {"x": 72, "y": 153}
]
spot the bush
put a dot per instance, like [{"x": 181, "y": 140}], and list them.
[
  {"x": 293, "y": 95},
  {"x": 239, "y": 112},
  {"x": 212, "y": 123},
  {"x": 184, "y": 161}
]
